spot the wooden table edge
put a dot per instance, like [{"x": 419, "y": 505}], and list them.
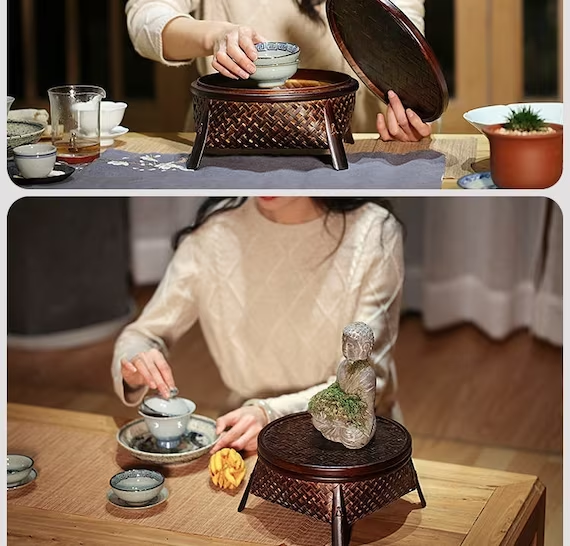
[{"x": 35, "y": 524}]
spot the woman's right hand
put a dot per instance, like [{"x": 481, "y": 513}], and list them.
[
  {"x": 234, "y": 51},
  {"x": 149, "y": 369}
]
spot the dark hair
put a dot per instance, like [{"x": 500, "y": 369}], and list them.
[
  {"x": 331, "y": 205},
  {"x": 307, "y": 7}
]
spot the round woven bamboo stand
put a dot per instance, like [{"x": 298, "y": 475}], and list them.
[
  {"x": 301, "y": 470},
  {"x": 311, "y": 111}
]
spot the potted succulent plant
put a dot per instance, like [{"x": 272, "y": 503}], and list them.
[{"x": 526, "y": 152}]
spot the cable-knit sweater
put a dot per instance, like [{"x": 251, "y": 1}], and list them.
[
  {"x": 277, "y": 20},
  {"x": 273, "y": 299}
]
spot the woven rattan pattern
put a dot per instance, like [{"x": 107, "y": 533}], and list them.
[
  {"x": 294, "y": 443},
  {"x": 387, "y": 52},
  {"x": 273, "y": 125},
  {"x": 314, "y": 499}
]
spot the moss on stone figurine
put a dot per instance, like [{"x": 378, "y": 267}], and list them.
[{"x": 344, "y": 411}]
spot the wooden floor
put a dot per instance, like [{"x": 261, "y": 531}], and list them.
[{"x": 466, "y": 399}]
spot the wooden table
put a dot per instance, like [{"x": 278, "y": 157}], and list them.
[
  {"x": 182, "y": 143},
  {"x": 76, "y": 454}
]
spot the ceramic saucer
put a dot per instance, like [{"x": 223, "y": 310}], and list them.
[
  {"x": 477, "y": 181},
  {"x": 199, "y": 438},
  {"x": 107, "y": 139},
  {"x": 26, "y": 481},
  {"x": 60, "y": 172},
  {"x": 116, "y": 501}
]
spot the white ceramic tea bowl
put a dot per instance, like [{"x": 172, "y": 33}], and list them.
[
  {"x": 273, "y": 76},
  {"x": 18, "y": 468},
  {"x": 273, "y": 53},
  {"x": 168, "y": 430},
  {"x": 35, "y": 160},
  {"x": 111, "y": 115},
  {"x": 137, "y": 486},
  {"x": 551, "y": 112},
  {"x": 275, "y": 64},
  {"x": 9, "y": 102}
]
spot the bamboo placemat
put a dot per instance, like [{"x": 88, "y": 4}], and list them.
[{"x": 74, "y": 468}]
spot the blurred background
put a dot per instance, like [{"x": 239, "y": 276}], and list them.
[
  {"x": 491, "y": 53},
  {"x": 479, "y": 355}
]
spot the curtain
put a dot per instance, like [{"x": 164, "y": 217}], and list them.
[{"x": 495, "y": 262}]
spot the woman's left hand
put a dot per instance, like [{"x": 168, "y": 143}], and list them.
[
  {"x": 399, "y": 123},
  {"x": 245, "y": 423}
]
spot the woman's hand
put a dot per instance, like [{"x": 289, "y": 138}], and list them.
[
  {"x": 245, "y": 423},
  {"x": 234, "y": 51},
  {"x": 400, "y": 124},
  {"x": 148, "y": 368}
]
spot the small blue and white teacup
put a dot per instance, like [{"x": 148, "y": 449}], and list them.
[
  {"x": 138, "y": 486},
  {"x": 35, "y": 160},
  {"x": 18, "y": 468}
]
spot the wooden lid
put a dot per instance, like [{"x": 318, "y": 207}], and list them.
[
  {"x": 294, "y": 446},
  {"x": 388, "y": 52}
]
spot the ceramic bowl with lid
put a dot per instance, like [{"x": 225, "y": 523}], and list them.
[{"x": 167, "y": 420}]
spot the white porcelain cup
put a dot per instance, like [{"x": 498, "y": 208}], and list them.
[
  {"x": 111, "y": 115},
  {"x": 35, "y": 160}
]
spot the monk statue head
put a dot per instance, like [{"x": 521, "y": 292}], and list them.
[{"x": 357, "y": 341}]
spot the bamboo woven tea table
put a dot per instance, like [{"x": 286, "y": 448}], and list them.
[
  {"x": 311, "y": 111},
  {"x": 301, "y": 470}
]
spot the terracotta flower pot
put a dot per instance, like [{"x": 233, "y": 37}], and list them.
[{"x": 525, "y": 161}]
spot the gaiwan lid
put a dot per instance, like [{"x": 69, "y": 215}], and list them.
[{"x": 388, "y": 52}]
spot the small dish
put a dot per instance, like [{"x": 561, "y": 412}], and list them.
[
  {"x": 26, "y": 481},
  {"x": 116, "y": 501},
  {"x": 199, "y": 438},
  {"x": 108, "y": 139},
  {"x": 60, "y": 172},
  {"x": 477, "y": 181}
]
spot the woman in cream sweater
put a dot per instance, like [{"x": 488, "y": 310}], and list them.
[
  {"x": 273, "y": 282},
  {"x": 220, "y": 35}
]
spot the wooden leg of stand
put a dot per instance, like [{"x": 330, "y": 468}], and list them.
[
  {"x": 340, "y": 527},
  {"x": 334, "y": 139},
  {"x": 200, "y": 141},
  {"x": 244, "y": 497},
  {"x": 420, "y": 492},
  {"x": 348, "y": 136}
]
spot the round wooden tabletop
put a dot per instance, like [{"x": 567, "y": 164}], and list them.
[
  {"x": 294, "y": 446},
  {"x": 388, "y": 52}
]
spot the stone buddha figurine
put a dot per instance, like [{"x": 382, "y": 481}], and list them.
[{"x": 344, "y": 411}]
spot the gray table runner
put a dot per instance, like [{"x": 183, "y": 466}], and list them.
[{"x": 117, "y": 169}]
